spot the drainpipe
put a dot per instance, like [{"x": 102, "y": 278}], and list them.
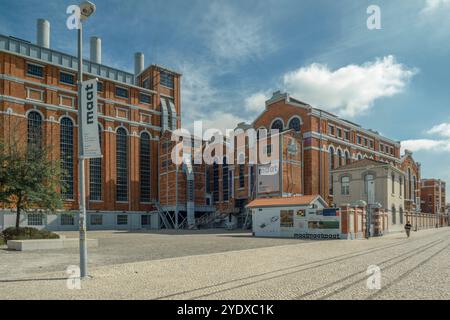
[{"x": 320, "y": 152}]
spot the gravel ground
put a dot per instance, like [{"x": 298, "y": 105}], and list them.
[{"x": 415, "y": 268}]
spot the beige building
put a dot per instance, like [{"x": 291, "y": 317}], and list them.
[{"x": 373, "y": 182}]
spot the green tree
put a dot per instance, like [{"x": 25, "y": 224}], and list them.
[{"x": 29, "y": 178}]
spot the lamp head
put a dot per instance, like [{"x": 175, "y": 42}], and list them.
[{"x": 87, "y": 9}]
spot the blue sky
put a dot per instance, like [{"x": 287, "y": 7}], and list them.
[{"x": 234, "y": 54}]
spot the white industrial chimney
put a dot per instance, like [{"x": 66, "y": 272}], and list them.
[
  {"x": 96, "y": 50},
  {"x": 43, "y": 33},
  {"x": 138, "y": 63}
]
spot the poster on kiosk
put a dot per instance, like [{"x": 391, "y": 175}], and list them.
[{"x": 301, "y": 223}]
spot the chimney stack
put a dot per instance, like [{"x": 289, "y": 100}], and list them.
[
  {"x": 43, "y": 33},
  {"x": 138, "y": 63},
  {"x": 96, "y": 50}
]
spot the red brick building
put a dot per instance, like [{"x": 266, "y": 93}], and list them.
[
  {"x": 411, "y": 183},
  {"x": 433, "y": 196},
  {"x": 328, "y": 141},
  {"x": 38, "y": 93}
]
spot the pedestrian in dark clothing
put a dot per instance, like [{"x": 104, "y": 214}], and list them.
[{"x": 408, "y": 227}]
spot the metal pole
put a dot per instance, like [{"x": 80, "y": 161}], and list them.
[{"x": 81, "y": 173}]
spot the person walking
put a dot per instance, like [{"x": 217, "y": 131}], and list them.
[{"x": 408, "y": 227}]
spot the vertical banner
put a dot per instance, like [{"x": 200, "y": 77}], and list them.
[{"x": 90, "y": 144}]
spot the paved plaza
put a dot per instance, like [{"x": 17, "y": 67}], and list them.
[{"x": 234, "y": 265}]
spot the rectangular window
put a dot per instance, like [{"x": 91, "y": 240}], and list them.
[
  {"x": 345, "y": 186},
  {"x": 331, "y": 130},
  {"x": 216, "y": 182},
  {"x": 167, "y": 79},
  {"x": 96, "y": 220},
  {"x": 358, "y": 139},
  {"x": 99, "y": 86},
  {"x": 241, "y": 176},
  {"x": 145, "y": 98},
  {"x": 393, "y": 184},
  {"x": 121, "y": 92},
  {"x": 146, "y": 220},
  {"x": 36, "y": 219},
  {"x": 66, "y": 78},
  {"x": 339, "y": 133},
  {"x": 146, "y": 83},
  {"x": 67, "y": 220},
  {"x": 269, "y": 150},
  {"x": 365, "y": 142},
  {"x": 35, "y": 70},
  {"x": 122, "y": 219},
  {"x": 347, "y": 135},
  {"x": 225, "y": 186}
]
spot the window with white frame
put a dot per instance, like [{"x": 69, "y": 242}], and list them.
[
  {"x": 35, "y": 70},
  {"x": 122, "y": 219},
  {"x": 96, "y": 220},
  {"x": 67, "y": 219},
  {"x": 345, "y": 186},
  {"x": 35, "y": 219}
]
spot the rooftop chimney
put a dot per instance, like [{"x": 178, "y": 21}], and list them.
[
  {"x": 138, "y": 63},
  {"x": 43, "y": 33},
  {"x": 96, "y": 50}
]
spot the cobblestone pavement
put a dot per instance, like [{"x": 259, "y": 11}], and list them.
[{"x": 415, "y": 268}]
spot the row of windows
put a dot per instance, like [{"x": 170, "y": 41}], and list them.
[
  {"x": 35, "y": 134},
  {"x": 167, "y": 79},
  {"x": 37, "y": 219},
  {"x": 338, "y": 132},
  {"x": 294, "y": 124},
  {"x": 68, "y": 78}
]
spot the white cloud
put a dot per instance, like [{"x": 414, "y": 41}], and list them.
[
  {"x": 432, "y": 6},
  {"x": 233, "y": 35},
  {"x": 442, "y": 129},
  {"x": 256, "y": 102},
  {"x": 426, "y": 145},
  {"x": 202, "y": 102},
  {"x": 435, "y": 145},
  {"x": 351, "y": 89}
]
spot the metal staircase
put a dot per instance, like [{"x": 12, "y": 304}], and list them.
[{"x": 166, "y": 217}]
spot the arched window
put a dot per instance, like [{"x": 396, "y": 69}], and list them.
[
  {"x": 409, "y": 184},
  {"x": 367, "y": 179},
  {"x": 340, "y": 158},
  {"x": 401, "y": 185},
  {"x": 414, "y": 190},
  {"x": 359, "y": 157},
  {"x": 393, "y": 183},
  {"x": 144, "y": 167},
  {"x": 331, "y": 167},
  {"x": 225, "y": 186},
  {"x": 295, "y": 124},
  {"x": 277, "y": 125},
  {"x": 394, "y": 215},
  {"x": 122, "y": 165},
  {"x": 66, "y": 157},
  {"x": 95, "y": 174},
  {"x": 34, "y": 129},
  {"x": 347, "y": 158}
]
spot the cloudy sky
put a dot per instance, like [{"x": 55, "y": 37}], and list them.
[{"x": 234, "y": 54}]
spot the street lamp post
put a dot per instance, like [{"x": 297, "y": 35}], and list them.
[{"x": 86, "y": 10}]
